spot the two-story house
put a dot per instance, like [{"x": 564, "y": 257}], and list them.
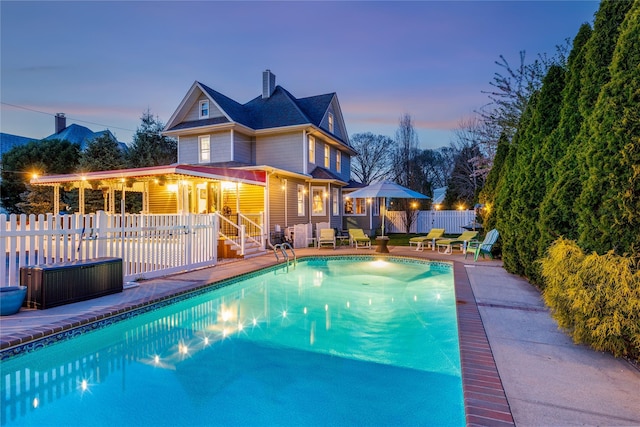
[{"x": 276, "y": 159}]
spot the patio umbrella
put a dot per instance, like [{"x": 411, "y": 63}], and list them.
[{"x": 384, "y": 190}]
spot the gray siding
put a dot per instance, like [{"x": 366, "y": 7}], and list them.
[
  {"x": 281, "y": 151},
  {"x": 242, "y": 149},
  {"x": 193, "y": 113},
  {"x": 188, "y": 149},
  {"x": 221, "y": 147}
]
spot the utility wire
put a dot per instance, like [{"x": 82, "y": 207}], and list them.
[{"x": 71, "y": 118}]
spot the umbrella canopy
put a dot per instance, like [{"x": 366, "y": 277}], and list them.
[{"x": 386, "y": 189}]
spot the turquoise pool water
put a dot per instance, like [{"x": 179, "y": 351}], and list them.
[{"x": 329, "y": 342}]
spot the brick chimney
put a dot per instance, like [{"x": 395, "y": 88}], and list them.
[
  {"x": 61, "y": 122},
  {"x": 268, "y": 83}
]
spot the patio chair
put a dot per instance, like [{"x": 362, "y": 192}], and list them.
[
  {"x": 327, "y": 237},
  {"x": 429, "y": 239},
  {"x": 445, "y": 246},
  {"x": 359, "y": 239},
  {"x": 484, "y": 247}
]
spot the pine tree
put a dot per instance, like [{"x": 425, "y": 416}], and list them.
[
  {"x": 149, "y": 146},
  {"x": 609, "y": 211},
  {"x": 102, "y": 153},
  {"x": 557, "y": 216}
]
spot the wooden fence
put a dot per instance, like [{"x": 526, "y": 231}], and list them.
[
  {"x": 149, "y": 245},
  {"x": 451, "y": 221}
]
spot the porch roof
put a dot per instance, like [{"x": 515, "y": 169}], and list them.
[{"x": 255, "y": 177}]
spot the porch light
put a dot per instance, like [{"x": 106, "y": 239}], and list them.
[
  {"x": 460, "y": 207},
  {"x": 173, "y": 188},
  {"x": 414, "y": 205},
  {"x": 227, "y": 185}
]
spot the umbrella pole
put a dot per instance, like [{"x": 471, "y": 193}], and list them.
[{"x": 383, "y": 210}]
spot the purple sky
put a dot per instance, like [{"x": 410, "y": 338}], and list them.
[{"x": 104, "y": 63}]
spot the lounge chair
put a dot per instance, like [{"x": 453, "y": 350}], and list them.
[
  {"x": 445, "y": 246},
  {"x": 359, "y": 239},
  {"x": 429, "y": 239},
  {"x": 484, "y": 247},
  {"x": 327, "y": 237}
]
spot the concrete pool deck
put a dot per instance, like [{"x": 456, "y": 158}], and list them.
[{"x": 547, "y": 380}]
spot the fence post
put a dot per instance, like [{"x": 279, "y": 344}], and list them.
[
  {"x": 101, "y": 233},
  {"x": 189, "y": 230}
]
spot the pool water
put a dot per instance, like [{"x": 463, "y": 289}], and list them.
[{"x": 337, "y": 341}]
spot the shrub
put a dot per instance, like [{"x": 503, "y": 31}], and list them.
[{"x": 595, "y": 297}]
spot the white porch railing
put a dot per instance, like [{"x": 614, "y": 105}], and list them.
[
  {"x": 451, "y": 221},
  {"x": 245, "y": 230},
  {"x": 149, "y": 245}
]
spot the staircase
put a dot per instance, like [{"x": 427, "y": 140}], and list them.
[{"x": 227, "y": 248}]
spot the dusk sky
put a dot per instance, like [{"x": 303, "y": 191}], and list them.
[{"x": 104, "y": 63}]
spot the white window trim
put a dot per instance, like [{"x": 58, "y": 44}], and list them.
[
  {"x": 338, "y": 161},
  {"x": 354, "y": 205},
  {"x": 202, "y": 102},
  {"x": 201, "y": 158},
  {"x": 323, "y": 195},
  {"x": 327, "y": 156},
  {"x": 300, "y": 199},
  {"x": 336, "y": 202},
  {"x": 312, "y": 149},
  {"x": 331, "y": 121}
]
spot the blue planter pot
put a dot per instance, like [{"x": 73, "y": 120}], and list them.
[{"x": 11, "y": 299}]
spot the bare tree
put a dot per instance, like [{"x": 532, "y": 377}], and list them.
[
  {"x": 406, "y": 169},
  {"x": 373, "y": 162}
]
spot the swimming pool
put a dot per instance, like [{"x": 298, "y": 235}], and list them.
[{"x": 331, "y": 341}]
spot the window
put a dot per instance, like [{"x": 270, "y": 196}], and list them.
[
  {"x": 327, "y": 151},
  {"x": 318, "y": 201},
  {"x": 205, "y": 149},
  {"x": 330, "y": 119},
  {"x": 300, "y": 200},
  {"x": 375, "y": 207},
  {"x": 312, "y": 149},
  {"x": 355, "y": 207},
  {"x": 204, "y": 109},
  {"x": 338, "y": 161},
  {"x": 336, "y": 204}
]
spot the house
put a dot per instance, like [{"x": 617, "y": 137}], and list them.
[
  {"x": 275, "y": 161},
  {"x": 78, "y": 134}
]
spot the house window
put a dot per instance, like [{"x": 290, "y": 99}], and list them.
[
  {"x": 205, "y": 149},
  {"x": 336, "y": 202},
  {"x": 204, "y": 109},
  {"x": 327, "y": 151},
  {"x": 338, "y": 161},
  {"x": 330, "y": 119},
  {"x": 355, "y": 206},
  {"x": 375, "y": 207},
  {"x": 300, "y": 200},
  {"x": 312, "y": 149},
  {"x": 318, "y": 201}
]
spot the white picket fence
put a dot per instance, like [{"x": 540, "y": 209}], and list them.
[
  {"x": 451, "y": 221},
  {"x": 149, "y": 245}
]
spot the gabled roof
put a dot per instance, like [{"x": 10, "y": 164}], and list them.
[
  {"x": 280, "y": 109},
  {"x": 322, "y": 173}
]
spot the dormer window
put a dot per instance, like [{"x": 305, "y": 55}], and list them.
[
  {"x": 330, "y": 119},
  {"x": 204, "y": 109}
]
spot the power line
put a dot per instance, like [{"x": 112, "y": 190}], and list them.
[{"x": 71, "y": 118}]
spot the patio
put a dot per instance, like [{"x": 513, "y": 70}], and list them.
[{"x": 546, "y": 379}]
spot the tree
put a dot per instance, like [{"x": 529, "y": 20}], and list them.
[
  {"x": 43, "y": 157},
  {"x": 149, "y": 146},
  {"x": 557, "y": 217},
  {"x": 102, "y": 153},
  {"x": 406, "y": 170},
  {"x": 373, "y": 162},
  {"x": 609, "y": 212}
]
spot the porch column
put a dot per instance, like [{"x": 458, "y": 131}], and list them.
[
  {"x": 81, "y": 197},
  {"x": 112, "y": 199},
  {"x": 56, "y": 199},
  {"x": 145, "y": 198}
]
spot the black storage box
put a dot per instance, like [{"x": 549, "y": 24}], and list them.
[{"x": 51, "y": 285}]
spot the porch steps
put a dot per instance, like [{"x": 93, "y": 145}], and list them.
[{"x": 227, "y": 249}]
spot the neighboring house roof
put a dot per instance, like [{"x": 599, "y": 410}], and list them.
[
  {"x": 81, "y": 135},
  {"x": 354, "y": 185},
  {"x": 9, "y": 141}
]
